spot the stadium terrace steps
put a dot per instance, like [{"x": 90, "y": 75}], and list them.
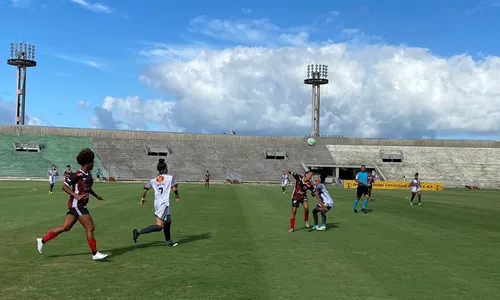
[
  {"x": 189, "y": 160},
  {"x": 450, "y": 165},
  {"x": 56, "y": 150}
]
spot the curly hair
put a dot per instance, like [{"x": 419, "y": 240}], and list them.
[{"x": 85, "y": 156}]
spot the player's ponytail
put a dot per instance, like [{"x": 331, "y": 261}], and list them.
[{"x": 162, "y": 166}]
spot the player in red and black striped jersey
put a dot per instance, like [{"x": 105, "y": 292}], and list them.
[
  {"x": 299, "y": 196},
  {"x": 79, "y": 187},
  {"x": 68, "y": 172}
]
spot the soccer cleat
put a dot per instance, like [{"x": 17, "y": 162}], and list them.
[
  {"x": 307, "y": 224},
  {"x": 99, "y": 256},
  {"x": 411, "y": 203},
  {"x": 420, "y": 204},
  {"x": 321, "y": 228},
  {"x": 135, "y": 235},
  {"x": 291, "y": 230},
  {"x": 170, "y": 244},
  {"x": 39, "y": 245},
  {"x": 364, "y": 210},
  {"x": 355, "y": 210},
  {"x": 315, "y": 227}
]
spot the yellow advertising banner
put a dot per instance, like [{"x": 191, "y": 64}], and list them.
[{"x": 396, "y": 185}]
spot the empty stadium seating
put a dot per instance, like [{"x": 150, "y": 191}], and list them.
[
  {"x": 451, "y": 165},
  {"x": 55, "y": 150},
  {"x": 124, "y": 155},
  {"x": 189, "y": 160}
]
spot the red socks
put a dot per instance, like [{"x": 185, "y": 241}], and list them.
[
  {"x": 49, "y": 236},
  {"x": 292, "y": 223},
  {"x": 93, "y": 246},
  {"x": 306, "y": 216}
]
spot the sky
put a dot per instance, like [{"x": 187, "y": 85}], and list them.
[{"x": 397, "y": 69}]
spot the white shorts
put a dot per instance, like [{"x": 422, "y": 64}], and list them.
[
  {"x": 415, "y": 189},
  {"x": 162, "y": 211},
  {"x": 284, "y": 183}
]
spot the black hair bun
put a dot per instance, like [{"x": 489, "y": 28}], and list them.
[{"x": 161, "y": 160}]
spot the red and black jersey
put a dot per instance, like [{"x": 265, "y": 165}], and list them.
[
  {"x": 301, "y": 187},
  {"x": 81, "y": 183},
  {"x": 371, "y": 180},
  {"x": 67, "y": 173}
]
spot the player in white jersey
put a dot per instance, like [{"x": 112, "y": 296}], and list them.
[
  {"x": 415, "y": 190},
  {"x": 328, "y": 203},
  {"x": 52, "y": 178},
  {"x": 161, "y": 184},
  {"x": 284, "y": 181}
]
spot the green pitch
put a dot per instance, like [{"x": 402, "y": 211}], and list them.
[{"x": 234, "y": 244}]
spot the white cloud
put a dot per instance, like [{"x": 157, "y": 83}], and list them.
[
  {"x": 7, "y": 115},
  {"x": 32, "y": 120},
  {"x": 375, "y": 90},
  {"x": 83, "y": 105},
  {"x": 90, "y": 62},
  {"x": 95, "y": 7},
  {"x": 136, "y": 112},
  {"x": 246, "y": 11},
  {"x": 248, "y": 32}
]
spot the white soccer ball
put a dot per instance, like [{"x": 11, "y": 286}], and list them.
[{"x": 311, "y": 141}]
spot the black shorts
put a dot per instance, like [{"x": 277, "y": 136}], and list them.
[
  {"x": 297, "y": 202},
  {"x": 362, "y": 190},
  {"x": 98, "y": 176},
  {"x": 78, "y": 211}
]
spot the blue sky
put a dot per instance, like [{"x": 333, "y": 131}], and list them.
[{"x": 89, "y": 50}]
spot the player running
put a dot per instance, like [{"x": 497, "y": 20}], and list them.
[
  {"x": 284, "y": 181},
  {"x": 415, "y": 190},
  {"x": 302, "y": 184},
  {"x": 161, "y": 184},
  {"x": 79, "y": 187},
  {"x": 52, "y": 179},
  {"x": 68, "y": 172},
  {"x": 362, "y": 180},
  {"x": 371, "y": 181},
  {"x": 323, "y": 207},
  {"x": 207, "y": 179}
]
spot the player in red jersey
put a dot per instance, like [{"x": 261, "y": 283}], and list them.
[
  {"x": 68, "y": 172},
  {"x": 299, "y": 196},
  {"x": 79, "y": 186}
]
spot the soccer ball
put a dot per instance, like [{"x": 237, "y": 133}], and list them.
[{"x": 311, "y": 141}]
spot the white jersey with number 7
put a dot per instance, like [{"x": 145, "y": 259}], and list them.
[{"x": 161, "y": 184}]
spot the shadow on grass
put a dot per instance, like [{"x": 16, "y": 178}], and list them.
[
  {"x": 332, "y": 225},
  {"x": 122, "y": 250}
]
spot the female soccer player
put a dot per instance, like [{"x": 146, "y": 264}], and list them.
[
  {"x": 415, "y": 190},
  {"x": 52, "y": 178},
  {"x": 323, "y": 207},
  {"x": 284, "y": 181},
  {"x": 79, "y": 186},
  {"x": 161, "y": 184},
  {"x": 302, "y": 184}
]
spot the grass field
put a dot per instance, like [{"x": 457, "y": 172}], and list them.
[{"x": 234, "y": 244}]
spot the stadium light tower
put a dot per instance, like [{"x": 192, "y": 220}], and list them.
[
  {"x": 22, "y": 56},
  {"x": 316, "y": 76}
]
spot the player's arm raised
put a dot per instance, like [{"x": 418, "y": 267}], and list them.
[{"x": 295, "y": 175}]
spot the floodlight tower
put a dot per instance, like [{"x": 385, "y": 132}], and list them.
[
  {"x": 316, "y": 76},
  {"x": 22, "y": 56}
]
